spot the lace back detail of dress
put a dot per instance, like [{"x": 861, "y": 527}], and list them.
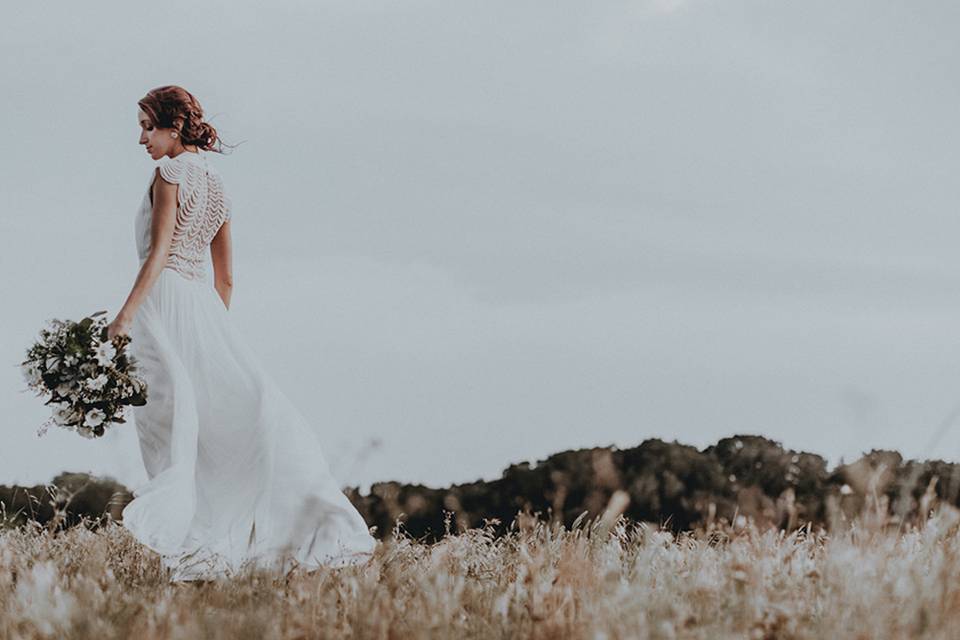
[{"x": 202, "y": 207}]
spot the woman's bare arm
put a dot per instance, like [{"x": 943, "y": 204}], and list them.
[
  {"x": 162, "y": 225},
  {"x": 221, "y": 253}
]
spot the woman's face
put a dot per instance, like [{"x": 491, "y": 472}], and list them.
[{"x": 158, "y": 142}]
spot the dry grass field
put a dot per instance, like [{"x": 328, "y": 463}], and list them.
[{"x": 606, "y": 579}]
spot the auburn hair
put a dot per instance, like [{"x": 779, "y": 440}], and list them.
[{"x": 169, "y": 103}]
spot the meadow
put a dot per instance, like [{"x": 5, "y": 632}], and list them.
[{"x": 607, "y": 578}]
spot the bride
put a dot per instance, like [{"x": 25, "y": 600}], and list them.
[{"x": 237, "y": 476}]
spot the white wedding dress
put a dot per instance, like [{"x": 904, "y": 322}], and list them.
[{"x": 237, "y": 477}]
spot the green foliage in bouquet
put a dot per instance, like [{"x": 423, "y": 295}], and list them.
[{"x": 89, "y": 379}]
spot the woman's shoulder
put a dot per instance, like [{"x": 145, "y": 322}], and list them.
[{"x": 184, "y": 167}]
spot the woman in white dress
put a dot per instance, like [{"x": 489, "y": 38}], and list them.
[{"x": 237, "y": 476}]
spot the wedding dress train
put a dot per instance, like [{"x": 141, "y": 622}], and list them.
[{"x": 237, "y": 476}]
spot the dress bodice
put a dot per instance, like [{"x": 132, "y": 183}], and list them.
[{"x": 202, "y": 207}]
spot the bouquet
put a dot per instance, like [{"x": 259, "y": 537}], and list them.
[{"x": 89, "y": 380}]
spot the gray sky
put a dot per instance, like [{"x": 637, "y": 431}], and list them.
[{"x": 483, "y": 232}]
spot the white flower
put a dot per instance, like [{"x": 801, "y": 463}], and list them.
[
  {"x": 31, "y": 373},
  {"x": 63, "y": 414},
  {"x": 105, "y": 353},
  {"x": 94, "y": 417},
  {"x": 70, "y": 360},
  {"x": 95, "y": 384},
  {"x": 86, "y": 432}
]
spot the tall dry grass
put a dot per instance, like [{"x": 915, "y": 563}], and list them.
[{"x": 606, "y": 579}]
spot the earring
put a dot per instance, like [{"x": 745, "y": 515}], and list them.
[{"x": 173, "y": 135}]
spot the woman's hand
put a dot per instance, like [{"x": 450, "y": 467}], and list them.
[{"x": 119, "y": 326}]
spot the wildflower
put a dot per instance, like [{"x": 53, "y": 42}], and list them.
[
  {"x": 94, "y": 417},
  {"x": 86, "y": 432},
  {"x": 95, "y": 384},
  {"x": 64, "y": 414},
  {"x": 105, "y": 353}
]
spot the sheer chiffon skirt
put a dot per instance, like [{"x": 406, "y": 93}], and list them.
[{"x": 237, "y": 476}]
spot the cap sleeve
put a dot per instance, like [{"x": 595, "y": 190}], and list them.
[{"x": 172, "y": 170}]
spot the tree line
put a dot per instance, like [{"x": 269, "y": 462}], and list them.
[{"x": 675, "y": 486}]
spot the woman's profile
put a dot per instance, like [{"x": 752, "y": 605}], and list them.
[{"x": 236, "y": 474}]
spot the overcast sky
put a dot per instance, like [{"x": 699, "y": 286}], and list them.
[{"x": 483, "y": 232}]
